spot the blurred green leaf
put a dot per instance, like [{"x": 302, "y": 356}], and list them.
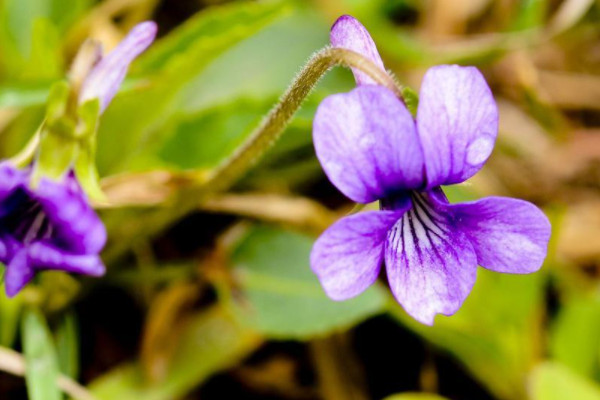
[
  {"x": 575, "y": 339},
  {"x": 64, "y": 13},
  {"x": 129, "y": 122},
  {"x": 45, "y": 60},
  {"x": 41, "y": 372},
  {"x": 553, "y": 381},
  {"x": 415, "y": 396},
  {"x": 208, "y": 343},
  {"x": 20, "y": 131},
  {"x": 30, "y": 41},
  {"x": 67, "y": 343},
  {"x": 282, "y": 296},
  {"x": 206, "y": 139},
  {"x": 23, "y": 95},
  {"x": 496, "y": 332},
  {"x": 531, "y": 14},
  {"x": 18, "y": 18},
  {"x": 271, "y": 58},
  {"x": 207, "y": 25}
]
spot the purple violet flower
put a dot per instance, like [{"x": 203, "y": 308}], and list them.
[
  {"x": 50, "y": 224},
  {"x": 372, "y": 149}
]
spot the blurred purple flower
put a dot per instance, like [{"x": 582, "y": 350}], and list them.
[
  {"x": 104, "y": 79},
  {"x": 51, "y": 225},
  {"x": 371, "y": 149}
]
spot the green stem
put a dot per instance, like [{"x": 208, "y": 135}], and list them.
[
  {"x": 271, "y": 128},
  {"x": 257, "y": 144}
]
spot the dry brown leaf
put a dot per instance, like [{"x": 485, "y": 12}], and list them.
[{"x": 299, "y": 212}]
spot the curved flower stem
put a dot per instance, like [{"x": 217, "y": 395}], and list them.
[
  {"x": 264, "y": 136},
  {"x": 259, "y": 141}
]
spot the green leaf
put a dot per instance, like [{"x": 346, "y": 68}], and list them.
[
  {"x": 18, "y": 18},
  {"x": 45, "y": 60},
  {"x": 206, "y": 25},
  {"x": 206, "y": 139},
  {"x": 41, "y": 372},
  {"x": 210, "y": 342},
  {"x": 23, "y": 95},
  {"x": 16, "y": 136},
  {"x": 30, "y": 45},
  {"x": 531, "y": 14},
  {"x": 553, "y": 381},
  {"x": 575, "y": 339},
  {"x": 270, "y": 58},
  {"x": 67, "y": 339},
  {"x": 129, "y": 122},
  {"x": 282, "y": 296},
  {"x": 65, "y": 13},
  {"x": 415, "y": 396},
  {"x": 30, "y": 36}
]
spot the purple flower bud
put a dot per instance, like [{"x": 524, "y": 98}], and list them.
[
  {"x": 347, "y": 33},
  {"x": 371, "y": 149},
  {"x": 51, "y": 226},
  {"x": 106, "y": 77}
]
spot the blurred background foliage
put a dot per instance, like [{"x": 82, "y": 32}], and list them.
[{"x": 220, "y": 302}]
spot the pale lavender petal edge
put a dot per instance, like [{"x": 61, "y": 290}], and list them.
[
  {"x": 106, "y": 77},
  {"x": 348, "y": 33}
]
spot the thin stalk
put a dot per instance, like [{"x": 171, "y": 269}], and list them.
[
  {"x": 257, "y": 144},
  {"x": 272, "y": 126}
]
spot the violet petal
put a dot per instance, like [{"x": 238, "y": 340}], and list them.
[
  {"x": 45, "y": 256},
  {"x": 18, "y": 273},
  {"x": 431, "y": 269},
  {"x": 4, "y": 252},
  {"x": 367, "y": 144},
  {"x": 508, "y": 235},
  {"x": 105, "y": 78},
  {"x": 457, "y": 121},
  {"x": 348, "y": 33},
  {"x": 76, "y": 223},
  {"x": 347, "y": 257}
]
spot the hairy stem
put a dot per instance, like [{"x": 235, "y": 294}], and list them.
[
  {"x": 265, "y": 135},
  {"x": 257, "y": 144}
]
